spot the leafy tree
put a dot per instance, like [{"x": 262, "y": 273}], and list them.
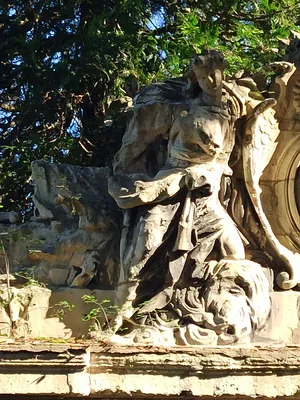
[{"x": 63, "y": 66}]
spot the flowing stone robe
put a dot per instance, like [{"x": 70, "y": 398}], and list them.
[
  {"x": 168, "y": 175},
  {"x": 183, "y": 273}
]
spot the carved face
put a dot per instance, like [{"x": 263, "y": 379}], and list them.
[
  {"x": 207, "y": 69},
  {"x": 209, "y": 77}
]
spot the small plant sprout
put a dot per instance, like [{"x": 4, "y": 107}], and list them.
[
  {"x": 61, "y": 308},
  {"x": 103, "y": 311}
]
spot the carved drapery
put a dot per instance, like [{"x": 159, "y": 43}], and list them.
[
  {"x": 185, "y": 275},
  {"x": 207, "y": 181}
]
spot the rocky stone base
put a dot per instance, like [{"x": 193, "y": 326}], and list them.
[
  {"x": 94, "y": 371},
  {"x": 36, "y": 312}
]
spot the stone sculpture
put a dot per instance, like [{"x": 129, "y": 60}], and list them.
[
  {"x": 207, "y": 184},
  {"x": 183, "y": 266}
]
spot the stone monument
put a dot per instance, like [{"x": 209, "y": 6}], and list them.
[
  {"x": 196, "y": 225},
  {"x": 192, "y": 239}
]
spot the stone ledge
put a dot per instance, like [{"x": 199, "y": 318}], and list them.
[
  {"x": 100, "y": 371},
  {"x": 203, "y": 360}
]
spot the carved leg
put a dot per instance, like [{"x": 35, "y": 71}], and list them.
[
  {"x": 231, "y": 243},
  {"x": 137, "y": 247},
  {"x": 125, "y": 295}
]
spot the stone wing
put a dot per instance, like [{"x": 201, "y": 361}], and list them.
[{"x": 260, "y": 142}]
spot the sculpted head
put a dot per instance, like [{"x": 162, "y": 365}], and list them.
[{"x": 206, "y": 71}]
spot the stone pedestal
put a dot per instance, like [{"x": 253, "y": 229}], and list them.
[{"x": 102, "y": 371}]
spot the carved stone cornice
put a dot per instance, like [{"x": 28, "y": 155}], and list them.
[
  {"x": 40, "y": 356},
  {"x": 101, "y": 371}
]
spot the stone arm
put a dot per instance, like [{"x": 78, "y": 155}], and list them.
[
  {"x": 166, "y": 183},
  {"x": 134, "y": 184},
  {"x": 148, "y": 123}
]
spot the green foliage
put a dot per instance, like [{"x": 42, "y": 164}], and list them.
[
  {"x": 61, "y": 308},
  {"x": 63, "y": 66},
  {"x": 27, "y": 276},
  {"x": 101, "y": 314}
]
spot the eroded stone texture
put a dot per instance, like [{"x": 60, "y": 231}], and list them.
[
  {"x": 204, "y": 195},
  {"x": 75, "y": 232},
  {"x": 40, "y": 313},
  {"x": 112, "y": 372},
  {"x": 206, "y": 181},
  {"x": 184, "y": 268}
]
